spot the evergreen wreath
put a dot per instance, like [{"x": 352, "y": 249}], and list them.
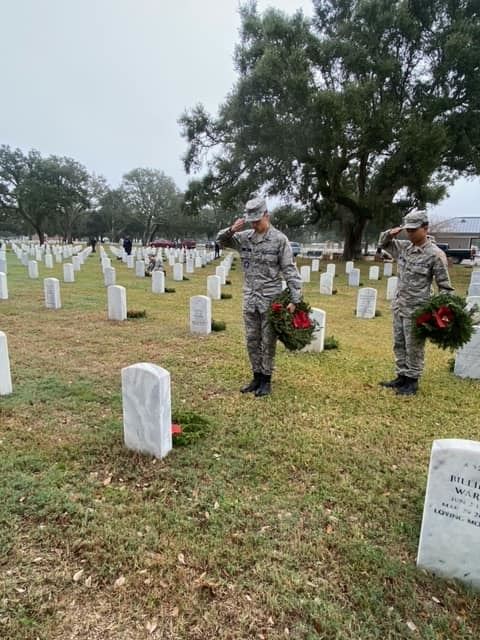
[
  {"x": 445, "y": 321},
  {"x": 294, "y": 330}
]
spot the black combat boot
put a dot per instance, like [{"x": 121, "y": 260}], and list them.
[
  {"x": 409, "y": 388},
  {"x": 254, "y": 384},
  {"x": 394, "y": 384},
  {"x": 265, "y": 388}
]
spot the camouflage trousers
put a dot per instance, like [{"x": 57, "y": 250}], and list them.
[
  {"x": 261, "y": 341},
  {"x": 408, "y": 349}
]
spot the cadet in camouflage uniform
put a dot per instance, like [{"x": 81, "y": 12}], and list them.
[
  {"x": 419, "y": 262},
  {"x": 265, "y": 255}
]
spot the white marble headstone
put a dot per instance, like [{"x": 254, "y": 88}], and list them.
[
  {"x": 117, "y": 302},
  {"x": 326, "y": 284},
  {"x": 348, "y": 266},
  {"x": 387, "y": 269},
  {"x": 189, "y": 266},
  {"x": 147, "y": 414},
  {"x": 3, "y": 266},
  {"x": 354, "y": 278},
  {"x": 33, "y": 269},
  {"x": 158, "y": 282},
  {"x": 450, "y": 534},
  {"x": 221, "y": 273},
  {"x": 318, "y": 339},
  {"x": 178, "y": 271},
  {"x": 467, "y": 360},
  {"x": 374, "y": 273},
  {"x": 130, "y": 262},
  {"x": 474, "y": 289},
  {"x": 77, "y": 263},
  {"x": 305, "y": 273},
  {"x": 331, "y": 267},
  {"x": 140, "y": 268},
  {"x": 109, "y": 276},
  {"x": 5, "y": 377},
  {"x": 214, "y": 287},
  {"x": 3, "y": 286},
  {"x": 475, "y": 277},
  {"x": 48, "y": 261},
  {"x": 392, "y": 284},
  {"x": 200, "y": 315},
  {"x": 315, "y": 264},
  {"x": 68, "y": 272},
  {"x": 366, "y": 302},
  {"x": 51, "y": 289}
]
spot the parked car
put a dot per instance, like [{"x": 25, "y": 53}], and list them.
[
  {"x": 456, "y": 255},
  {"x": 163, "y": 244},
  {"x": 296, "y": 248},
  {"x": 189, "y": 244}
]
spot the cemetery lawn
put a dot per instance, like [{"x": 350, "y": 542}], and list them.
[{"x": 295, "y": 516}]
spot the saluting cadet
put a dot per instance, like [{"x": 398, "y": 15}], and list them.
[
  {"x": 265, "y": 255},
  {"x": 420, "y": 262}
]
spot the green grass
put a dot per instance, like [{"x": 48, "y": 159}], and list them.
[{"x": 293, "y": 516}]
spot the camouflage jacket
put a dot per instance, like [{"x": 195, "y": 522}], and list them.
[
  {"x": 418, "y": 267},
  {"x": 264, "y": 260}
]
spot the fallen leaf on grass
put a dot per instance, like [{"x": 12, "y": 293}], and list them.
[
  {"x": 174, "y": 612},
  {"x": 119, "y": 582},
  {"x": 436, "y": 600},
  {"x": 329, "y": 529},
  {"x": 181, "y": 558},
  {"x": 88, "y": 581},
  {"x": 151, "y": 626},
  {"x": 78, "y": 575},
  {"x": 107, "y": 481},
  {"x": 412, "y": 626}
]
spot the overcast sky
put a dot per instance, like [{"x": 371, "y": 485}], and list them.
[{"x": 105, "y": 81}]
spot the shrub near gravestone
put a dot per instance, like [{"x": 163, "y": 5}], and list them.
[{"x": 193, "y": 427}]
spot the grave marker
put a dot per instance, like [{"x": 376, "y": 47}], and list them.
[
  {"x": 68, "y": 272},
  {"x": 450, "y": 534},
  {"x": 326, "y": 284},
  {"x": 318, "y": 339},
  {"x": 158, "y": 282},
  {"x": 467, "y": 359},
  {"x": 51, "y": 289},
  {"x": 5, "y": 377},
  {"x": 117, "y": 302},
  {"x": 147, "y": 416},
  {"x": 366, "y": 303},
  {"x": 214, "y": 287},
  {"x": 200, "y": 315},
  {"x": 354, "y": 278},
  {"x": 3, "y": 286}
]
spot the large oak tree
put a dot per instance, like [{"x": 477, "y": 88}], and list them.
[{"x": 370, "y": 109}]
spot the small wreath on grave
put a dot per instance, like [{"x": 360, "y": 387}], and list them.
[
  {"x": 136, "y": 313},
  {"x": 225, "y": 296},
  {"x": 218, "y": 325},
  {"x": 185, "y": 278},
  {"x": 294, "y": 330},
  {"x": 445, "y": 321},
  {"x": 188, "y": 427},
  {"x": 169, "y": 290},
  {"x": 334, "y": 292},
  {"x": 228, "y": 282}
]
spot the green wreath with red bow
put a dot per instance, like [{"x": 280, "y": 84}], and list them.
[
  {"x": 445, "y": 321},
  {"x": 294, "y": 330}
]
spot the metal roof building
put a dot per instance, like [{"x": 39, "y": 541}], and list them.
[{"x": 459, "y": 233}]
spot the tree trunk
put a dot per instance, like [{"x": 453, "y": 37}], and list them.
[{"x": 353, "y": 231}]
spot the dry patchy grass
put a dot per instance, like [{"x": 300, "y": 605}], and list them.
[{"x": 296, "y": 516}]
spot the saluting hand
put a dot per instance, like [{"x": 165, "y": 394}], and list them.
[
  {"x": 395, "y": 231},
  {"x": 237, "y": 225}
]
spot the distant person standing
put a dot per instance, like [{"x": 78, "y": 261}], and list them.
[
  {"x": 265, "y": 255},
  {"x": 93, "y": 244},
  {"x": 127, "y": 245},
  {"x": 420, "y": 262}
]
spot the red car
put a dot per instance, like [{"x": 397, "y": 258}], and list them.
[
  {"x": 164, "y": 244},
  {"x": 189, "y": 244}
]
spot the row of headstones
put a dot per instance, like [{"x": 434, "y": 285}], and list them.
[
  {"x": 327, "y": 280},
  {"x": 353, "y": 273},
  {"x": 169, "y": 255}
]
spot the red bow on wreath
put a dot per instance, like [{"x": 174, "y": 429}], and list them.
[
  {"x": 277, "y": 307},
  {"x": 301, "y": 320},
  {"x": 443, "y": 317},
  {"x": 424, "y": 319}
]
